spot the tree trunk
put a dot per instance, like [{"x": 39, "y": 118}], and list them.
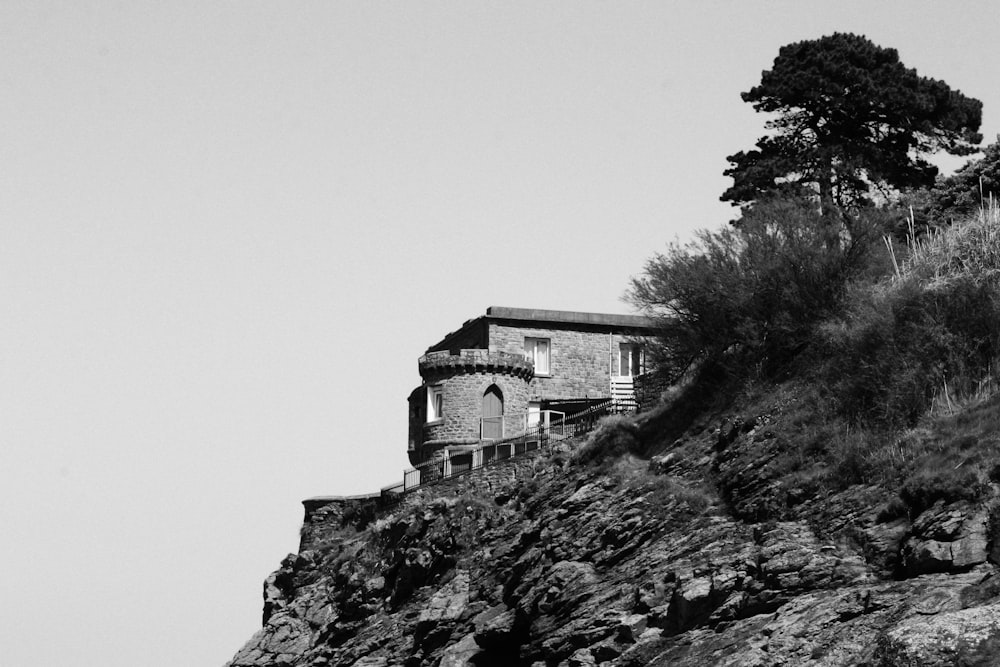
[{"x": 827, "y": 207}]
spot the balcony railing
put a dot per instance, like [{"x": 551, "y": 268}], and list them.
[
  {"x": 551, "y": 426},
  {"x": 499, "y": 428},
  {"x": 533, "y": 430}
]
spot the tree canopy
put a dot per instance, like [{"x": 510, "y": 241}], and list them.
[
  {"x": 849, "y": 119},
  {"x": 962, "y": 193},
  {"x": 750, "y": 294}
]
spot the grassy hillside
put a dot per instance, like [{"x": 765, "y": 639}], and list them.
[{"x": 890, "y": 383}]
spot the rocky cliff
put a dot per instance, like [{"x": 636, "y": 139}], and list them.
[{"x": 692, "y": 555}]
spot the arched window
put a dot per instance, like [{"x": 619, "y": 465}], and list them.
[{"x": 492, "y": 413}]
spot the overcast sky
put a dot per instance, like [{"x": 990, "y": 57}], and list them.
[{"x": 229, "y": 229}]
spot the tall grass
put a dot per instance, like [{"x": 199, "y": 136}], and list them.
[
  {"x": 928, "y": 336},
  {"x": 910, "y": 365},
  {"x": 967, "y": 250}
]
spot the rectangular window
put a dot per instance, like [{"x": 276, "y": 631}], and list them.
[
  {"x": 460, "y": 463},
  {"x": 435, "y": 403},
  {"x": 629, "y": 359},
  {"x": 537, "y": 350},
  {"x": 534, "y": 413}
]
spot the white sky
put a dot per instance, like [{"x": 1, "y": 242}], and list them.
[{"x": 229, "y": 229}]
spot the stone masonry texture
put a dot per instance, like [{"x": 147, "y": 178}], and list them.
[
  {"x": 463, "y": 405},
  {"x": 583, "y": 356},
  {"x": 464, "y": 378},
  {"x": 581, "y": 362}
]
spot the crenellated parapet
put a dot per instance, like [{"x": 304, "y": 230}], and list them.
[
  {"x": 466, "y": 397},
  {"x": 437, "y": 365}
]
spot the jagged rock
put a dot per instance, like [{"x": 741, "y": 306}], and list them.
[
  {"x": 495, "y": 627},
  {"x": 449, "y": 603},
  {"x": 278, "y": 587},
  {"x": 661, "y": 465},
  {"x": 582, "y": 658},
  {"x": 631, "y": 627},
  {"x": 282, "y": 641},
  {"x": 946, "y": 538},
  {"x": 371, "y": 661},
  {"x": 730, "y": 429},
  {"x": 412, "y": 572},
  {"x": 609, "y": 568},
  {"x": 692, "y": 602},
  {"x": 321, "y": 614},
  {"x": 460, "y": 653},
  {"x": 792, "y": 558},
  {"x": 565, "y": 583},
  {"x": 606, "y": 651},
  {"x": 884, "y": 541},
  {"x": 654, "y": 593},
  {"x": 374, "y": 585},
  {"x": 582, "y": 497},
  {"x": 967, "y": 637}
]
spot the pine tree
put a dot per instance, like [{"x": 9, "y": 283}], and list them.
[{"x": 849, "y": 120}]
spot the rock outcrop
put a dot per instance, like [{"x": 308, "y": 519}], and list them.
[{"x": 693, "y": 560}]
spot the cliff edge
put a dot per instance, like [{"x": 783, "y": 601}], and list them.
[{"x": 695, "y": 553}]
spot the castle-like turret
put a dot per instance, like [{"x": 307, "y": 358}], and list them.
[{"x": 466, "y": 397}]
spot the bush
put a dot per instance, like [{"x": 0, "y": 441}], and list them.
[
  {"x": 933, "y": 329},
  {"x": 614, "y": 437},
  {"x": 901, "y": 346},
  {"x": 893, "y": 509},
  {"x": 849, "y": 460},
  {"x": 665, "y": 492},
  {"x": 968, "y": 250},
  {"x": 925, "y": 487},
  {"x": 750, "y": 295}
]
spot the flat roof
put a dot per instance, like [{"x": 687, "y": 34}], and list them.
[
  {"x": 569, "y": 316},
  {"x": 599, "y": 320}
]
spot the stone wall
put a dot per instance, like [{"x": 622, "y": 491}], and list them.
[
  {"x": 463, "y": 405},
  {"x": 649, "y": 389},
  {"x": 326, "y": 517},
  {"x": 494, "y": 476},
  {"x": 463, "y": 379},
  {"x": 581, "y": 361}
]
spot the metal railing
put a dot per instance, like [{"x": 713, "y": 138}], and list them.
[
  {"x": 551, "y": 426},
  {"x": 495, "y": 429}
]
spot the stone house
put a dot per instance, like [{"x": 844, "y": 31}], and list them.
[{"x": 513, "y": 369}]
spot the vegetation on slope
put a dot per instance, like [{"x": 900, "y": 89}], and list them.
[
  {"x": 875, "y": 366},
  {"x": 850, "y": 332}
]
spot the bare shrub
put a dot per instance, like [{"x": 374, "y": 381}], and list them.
[{"x": 615, "y": 436}]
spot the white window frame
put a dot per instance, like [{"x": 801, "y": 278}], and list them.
[
  {"x": 435, "y": 403},
  {"x": 531, "y": 348},
  {"x": 534, "y": 414},
  {"x": 642, "y": 359}
]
